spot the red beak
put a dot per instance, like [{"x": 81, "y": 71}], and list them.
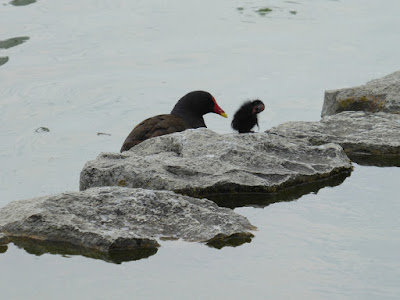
[{"x": 218, "y": 110}]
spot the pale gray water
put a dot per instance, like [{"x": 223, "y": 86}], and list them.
[{"x": 103, "y": 66}]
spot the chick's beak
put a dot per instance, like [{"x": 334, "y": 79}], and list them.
[{"x": 259, "y": 108}]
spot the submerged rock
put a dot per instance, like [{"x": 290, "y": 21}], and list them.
[
  {"x": 3, "y": 239},
  {"x": 201, "y": 162},
  {"x": 360, "y": 134},
  {"x": 114, "y": 219},
  {"x": 379, "y": 95}
]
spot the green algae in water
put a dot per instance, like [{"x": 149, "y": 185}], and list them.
[
  {"x": 240, "y": 8},
  {"x": 22, "y": 2},
  {"x": 3, "y": 60},
  {"x": 42, "y": 130},
  {"x": 13, "y": 42},
  {"x": 263, "y": 11},
  {"x": 293, "y": 12}
]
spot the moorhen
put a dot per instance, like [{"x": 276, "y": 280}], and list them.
[
  {"x": 187, "y": 113},
  {"x": 246, "y": 116}
]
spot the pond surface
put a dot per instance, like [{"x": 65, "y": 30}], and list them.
[{"x": 69, "y": 71}]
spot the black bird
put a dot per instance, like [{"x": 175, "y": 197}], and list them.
[
  {"x": 187, "y": 113},
  {"x": 246, "y": 116}
]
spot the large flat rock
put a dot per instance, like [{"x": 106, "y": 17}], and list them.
[
  {"x": 382, "y": 94},
  {"x": 119, "y": 219},
  {"x": 201, "y": 162},
  {"x": 359, "y": 133}
]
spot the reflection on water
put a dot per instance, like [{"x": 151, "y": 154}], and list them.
[
  {"x": 22, "y": 2},
  {"x": 376, "y": 160},
  {"x": 234, "y": 240},
  {"x": 66, "y": 249},
  {"x": 3, "y": 60},
  {"x": 117, "y": 256},
  {"x": 13, "y": 42},
  {"x": 288, "y": 194}
]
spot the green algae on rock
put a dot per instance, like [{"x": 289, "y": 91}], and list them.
[
  {"x": 363, "y": 103},
  {"x": 379, "y": 95},
  {"x": 364, "y": 136}
]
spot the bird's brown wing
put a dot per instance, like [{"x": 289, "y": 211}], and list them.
[{"x": 152, "y": 127}]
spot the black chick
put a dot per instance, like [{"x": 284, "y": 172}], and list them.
[{"x": 246, "y": 116}]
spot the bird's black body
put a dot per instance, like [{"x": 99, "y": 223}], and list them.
[
  {"x": 246, "y": 116},
  {"x": 187, "y": 113}
]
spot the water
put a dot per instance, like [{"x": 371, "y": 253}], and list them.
[{"x": 103, "y": 66}]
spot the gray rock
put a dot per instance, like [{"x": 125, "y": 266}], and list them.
[
  {"x": 201, "y": 162},
  {"x": 377, "y": 95},
  {"x": 359, "y": 133},
  {"x": 116, "y": 218}
]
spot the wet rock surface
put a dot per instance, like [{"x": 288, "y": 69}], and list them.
[
  {"x": 373, "y": 138},
  {"x": 200, "y": 162},
  {"x": 3, "y": 239},
  {"x": 117, "y": 224},
  {"x": 379, "y": 95}
]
